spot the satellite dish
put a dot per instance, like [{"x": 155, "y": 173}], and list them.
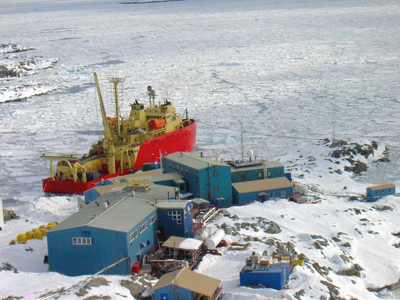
[{"x": 250, "y": 153}]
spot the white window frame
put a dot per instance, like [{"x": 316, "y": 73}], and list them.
[
  {"x": 133, "y": 236},
  {"x": 81, "y": 241},
  {"x": 283, "y": 194},
  {"x": 143, "y": 227},
  {"x": 153, "y": 219}
]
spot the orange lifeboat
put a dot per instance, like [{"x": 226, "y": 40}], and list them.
[
  {"x": 112, "y": 120},
  {"x": 156, "y": 124}
]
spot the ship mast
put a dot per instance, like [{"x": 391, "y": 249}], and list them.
[
  {"x": 116, "y": 81},
  {"x": 108, "y": 143}
]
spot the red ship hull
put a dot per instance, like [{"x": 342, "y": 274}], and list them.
[{"x": 182, "y": 140}]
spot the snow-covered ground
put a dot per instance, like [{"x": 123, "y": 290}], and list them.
[{"x": 291, "y": 71}]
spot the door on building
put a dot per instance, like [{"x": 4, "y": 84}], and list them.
[
  {"x": 160, "y": 234},
  {"x": 262, "y": 197}
]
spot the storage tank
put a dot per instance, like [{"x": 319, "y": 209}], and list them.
[
  {"x": 37, "y": 235},
  {"x": 215, "y": 239},
  {"x": 21, "y": 238},
  {"x": 203, "y": 236},
  {"x": 29, "y": 235}
]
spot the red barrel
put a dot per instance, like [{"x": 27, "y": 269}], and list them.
[{"x": 136, "y": 268}]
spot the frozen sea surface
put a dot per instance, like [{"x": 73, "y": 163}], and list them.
[{"x": 291, "y": 71}]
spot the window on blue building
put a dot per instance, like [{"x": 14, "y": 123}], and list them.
[
  {"x": 216, "y": 188},
  {"x": 278, "y": 172},
  {"x": 81, "y": 241},
  {"x": 143, "y": 227},
  {"x": 269, "y": 174},
  {"x": 197, "y": 174},
  {"x": 153, "y": 219},
  {"x": 176, "y": 215},
  {"x": 215, "y": 173},
  {"x": 271, "y": 195},
  {"x": 133, "y": 236},
  {"x": 243, "y": 176},
  {"x": 283, "y": 193},
  {"x": 259, "y": 174}
]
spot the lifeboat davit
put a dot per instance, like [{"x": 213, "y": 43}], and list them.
[{"x": 156, "y": 124}]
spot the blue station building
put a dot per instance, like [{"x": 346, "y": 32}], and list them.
[
  {"x": 224, "y": 183},
  {"x": 186, "y": 284},
  {"x": 378, "y": 191},
  {"x": 121, "y": 224},
  {"x": 124, "y": 218}
]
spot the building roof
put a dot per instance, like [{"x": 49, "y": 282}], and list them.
[
  {"x": 169, "y": 176},
  {"x": 141, "y": 174},
  {"x": 117, "y": 210},
  {"x": 192, "y": 281},
  {"x": 103, "y": 189},
  {"x": 262, "y": 185},
  {"x": 273, "y": 164},
  {"x": 193, "y": 161},
  {"x": 256, "y": 165},
  {"x": 182, "y": 243},
  {"x": 199, "y": 201},
  {"x": 381, "y": 187},
  {"x": 176, "y": 204}
]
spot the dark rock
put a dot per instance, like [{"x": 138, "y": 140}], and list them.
[
  {"x": 322, "y": 270},
  {"x": 95, "y": 282},
  {"x": 273, "y": 228},
  {"x": 96, "y": 297},
  {"x": 383, "y": 207},
  {"x": 303, "y": 257},
  {"x": 298, "y": 294},
  {"x": 347, "y": 244},
  {"x": 333, "y": 290},
  {"x": 349, "y": 272},
  {"x": 134, "y": 288},
  {"x": 344, "y": 258}
]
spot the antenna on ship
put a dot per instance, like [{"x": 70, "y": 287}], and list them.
[
  {"x": 115, "y": 81},
  {"x": 152, "y": 96}
]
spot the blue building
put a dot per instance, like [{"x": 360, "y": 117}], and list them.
[
  {"x": 205, "y": 178},
  {"x": 378, "y": 191},
  {"x": 115, "y": 226},
  {"x": 248, "y": 171},
  {"x": 107, "y": 185},
  {"x": 122, "y": 223},
  {"x": 188, "y": 285},
  {"x": 275, "y": 277},
  {"x": 175, "y": 218},
  {"x": 274, "y": 169},
  {"x": 262, "y": 190}
]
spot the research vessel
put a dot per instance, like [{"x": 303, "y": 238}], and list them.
[{"x": 148, "y": 133}]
